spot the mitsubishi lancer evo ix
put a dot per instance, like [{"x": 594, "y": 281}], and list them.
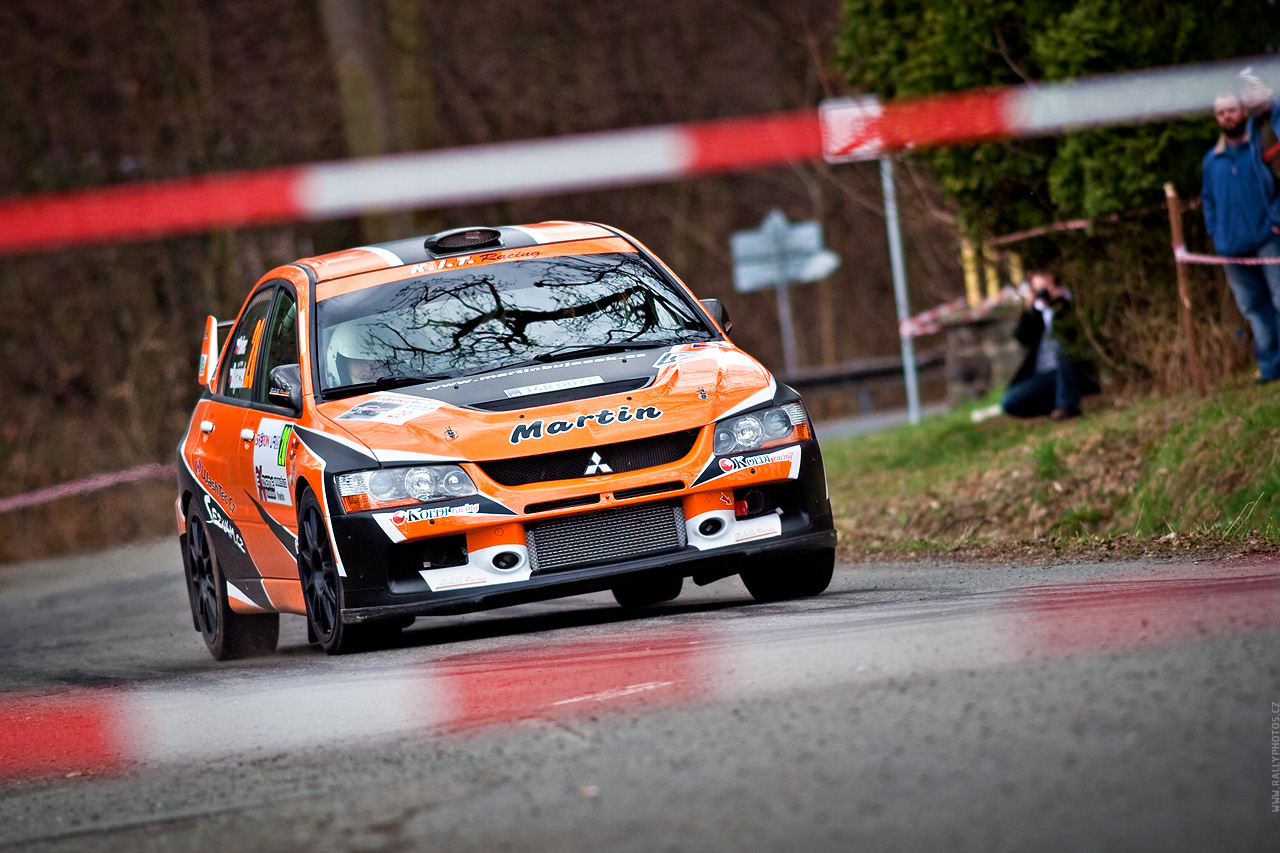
[{"x": 480, "y": 418}]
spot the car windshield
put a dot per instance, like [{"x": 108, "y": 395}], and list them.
[{"x": 476, "y": 319}]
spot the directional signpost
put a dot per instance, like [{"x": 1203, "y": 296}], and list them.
[{"x": 778, "y": 254}]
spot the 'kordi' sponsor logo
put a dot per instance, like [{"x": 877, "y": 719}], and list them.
[
  {"x": 408, "y": 516},
  {"x": 737, "y": 463},
  {"x": 604, "y": 417}
]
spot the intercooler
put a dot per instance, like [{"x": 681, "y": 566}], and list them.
[{"x": 606, "y": 536}]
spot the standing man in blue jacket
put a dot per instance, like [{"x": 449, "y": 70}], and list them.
[{"x": 1236, "y": 191}]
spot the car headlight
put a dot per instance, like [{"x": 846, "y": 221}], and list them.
[
  {"x": 388, "y": 487},
  {"x": 788, "y": 422}
]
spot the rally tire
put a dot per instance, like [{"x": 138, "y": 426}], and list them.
[
  {"x": 807, "y": 575},
  {"x": 322, "y": 586},
  {"x": 228, "y": 635},
  {"x": 646, "y": 591}
]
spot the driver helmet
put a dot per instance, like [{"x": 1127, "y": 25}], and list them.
[{"x": 354, "y": 355}]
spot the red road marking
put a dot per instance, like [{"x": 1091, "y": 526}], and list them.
[{"x": 42, "y": 735}]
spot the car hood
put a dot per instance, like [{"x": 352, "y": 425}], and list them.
[{"x": 558, "y": 406}]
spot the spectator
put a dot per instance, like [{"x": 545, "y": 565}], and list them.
[
  {"x": 1235, "y": 190},
  {"x": 1264, "y": 125},
  {"x": 1054, "y": 375}
]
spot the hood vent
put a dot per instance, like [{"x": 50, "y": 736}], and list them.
[{"x": 463, "y": 239}]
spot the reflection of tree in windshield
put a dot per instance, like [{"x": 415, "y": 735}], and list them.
[{"x": 466, "y": 320}]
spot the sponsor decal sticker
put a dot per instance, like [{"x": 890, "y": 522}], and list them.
[
  {"x": 218, "y": 520},
  {"x": 270, "y": 445},
  {"x": 605, "y": 417},
  {"x": 390, "y": 409},
  {"x": 445, "y": 264},
  {"x": 458, "y": 580},
  {"x": 737, "y": 463},
  {"x": 733, "y": 464},
  {"x": 534, "y": 368},
  {"x": 409, "y": 516},
  {"x": 214, "y": 486},
  {"x": 561, "y": 385},
  {"x": 670, "y": 358},
  {"x": 764, "y": 527}
]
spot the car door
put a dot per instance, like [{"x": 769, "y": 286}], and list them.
[
  {"x": 271, "y": 518},
  {"x": 218, "y": 451}
]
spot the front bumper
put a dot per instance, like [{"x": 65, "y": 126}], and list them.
[
  {"x": 701, "y": 566},
  {"x": 476, "y": 559}
]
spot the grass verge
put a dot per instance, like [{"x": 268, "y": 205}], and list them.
[{"x": 1158, "y": 476}]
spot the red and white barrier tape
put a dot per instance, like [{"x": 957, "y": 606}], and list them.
[
  {"x": 841, "y": 130},
  {"x": 928, "y": 322},
  {"x": 1182, "y": 256},
  {"x": 155, "y": 470},
  {"x": 1071, "y": 225}
]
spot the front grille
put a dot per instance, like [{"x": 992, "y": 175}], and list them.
[
  {"x": 645, "y": 491},
  {"x": 577, "y": 463},
  {"x": 562, "y": 503},
  {"x": 605, "y": 537}
]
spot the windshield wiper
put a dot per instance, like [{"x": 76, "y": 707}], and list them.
[
  {"x": 585, "y": 351},
  {"x": 382, "y": 383}
]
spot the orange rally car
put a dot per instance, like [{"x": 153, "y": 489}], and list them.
[{"x": 485, "y": 417}]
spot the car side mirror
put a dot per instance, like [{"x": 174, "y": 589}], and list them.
[
  {"x": 718, "y": 313},
  {"x": 284, "y": 386}
]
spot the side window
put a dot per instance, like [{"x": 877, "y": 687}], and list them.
[
  {"x": 240, "y": 366},
  {"x": 281, "y": 344}
]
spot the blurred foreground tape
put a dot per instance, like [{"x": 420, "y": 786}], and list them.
[
  {"x": 841, "y": 130},
  {"x": 155, "y": 470}
]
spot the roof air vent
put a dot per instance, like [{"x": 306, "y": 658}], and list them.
[{"x": 463, "y": 238}]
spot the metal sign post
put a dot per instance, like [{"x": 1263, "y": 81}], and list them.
[
  {"x": 900, "y": 287},
  {"x": 778, "y": 254},
  {"x": 852, "y": 131}
]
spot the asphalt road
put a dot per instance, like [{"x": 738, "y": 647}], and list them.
[{"x": 911, "y": 707}]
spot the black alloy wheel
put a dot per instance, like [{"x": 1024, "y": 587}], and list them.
[
  {"x": 201, "y": 584},
  {"x": 322, "y": 589},
  {"x": 806, "y": 575},
  {"x": 229, "y": 635}
]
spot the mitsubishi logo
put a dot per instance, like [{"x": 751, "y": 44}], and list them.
[{"x": 597, "y": 466}]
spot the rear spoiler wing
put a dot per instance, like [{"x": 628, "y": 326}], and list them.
[{"x": 209, "y": 349}]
